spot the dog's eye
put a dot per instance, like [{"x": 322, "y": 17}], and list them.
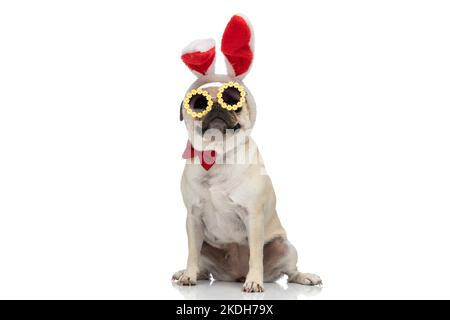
[
  {"x": 198, "y": 102},
  {"x": 231, "y": 96}
]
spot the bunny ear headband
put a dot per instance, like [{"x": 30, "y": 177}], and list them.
[{"x": 237, "y": 47}]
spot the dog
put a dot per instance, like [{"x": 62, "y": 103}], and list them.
[{"x": 234, "y": 232}]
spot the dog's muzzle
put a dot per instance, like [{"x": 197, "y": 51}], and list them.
[{"x": 221, "y": 120}]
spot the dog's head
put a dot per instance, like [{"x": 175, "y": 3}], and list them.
[{"x": 219, "y": 109}]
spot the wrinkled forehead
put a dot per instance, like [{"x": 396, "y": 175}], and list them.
[
  {"x": 209, "y": 85},
  {"x": 212, "y": 88}
]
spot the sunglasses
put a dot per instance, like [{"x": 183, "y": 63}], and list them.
[{"x": 198, "y": 102}]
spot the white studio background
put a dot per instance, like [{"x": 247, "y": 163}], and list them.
[{"x": 353, "y": 123}]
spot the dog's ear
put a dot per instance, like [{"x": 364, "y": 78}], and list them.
[
  {"x": 200, "y": 56},
  {"x": 237, "y": 46},
  {"x": 181, "y": 111}
]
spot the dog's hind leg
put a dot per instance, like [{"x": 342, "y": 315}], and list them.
[
  {"x": 280, "y": 257},
  {"x": 296, "y": 276}
]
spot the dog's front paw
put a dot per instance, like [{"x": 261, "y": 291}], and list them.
[
  {"x": 177, "y": 275},
  {"x": 252, "y": 285},
  {"x": 183, "y": 278},
  {"x": 186, "y": 280}
]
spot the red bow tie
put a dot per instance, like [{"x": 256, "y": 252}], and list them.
[{"x": 207, "y": 158}]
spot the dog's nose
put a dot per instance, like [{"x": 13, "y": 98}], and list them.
[{"x": 218, "y": 124}]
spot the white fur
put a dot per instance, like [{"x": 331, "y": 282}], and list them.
[{"x": 222, "y": 197}]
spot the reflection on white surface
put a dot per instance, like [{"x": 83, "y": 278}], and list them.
[{"x": 215, "y": 290}]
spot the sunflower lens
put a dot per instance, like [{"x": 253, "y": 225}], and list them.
[
  {"x": 198, "y": 102},
  {"x": 231, "y": 96}
]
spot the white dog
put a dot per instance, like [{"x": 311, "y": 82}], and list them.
[{"x": 234, "y": 233}]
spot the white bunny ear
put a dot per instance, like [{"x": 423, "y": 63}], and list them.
[
  {"x": 199, "y": 56},
  {"x": 237, "y": 46}
]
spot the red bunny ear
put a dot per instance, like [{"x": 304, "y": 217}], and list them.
[
  {"x": 199, "y": 56},
  {"x": 237, "y": 46}
]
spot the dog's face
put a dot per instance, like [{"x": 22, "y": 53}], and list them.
[
  {"x": 219, "y": 125},
  {"x": 219, "y": 118}
]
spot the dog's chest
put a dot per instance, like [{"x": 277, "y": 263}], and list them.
[{"x": 223, "y": 219}]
